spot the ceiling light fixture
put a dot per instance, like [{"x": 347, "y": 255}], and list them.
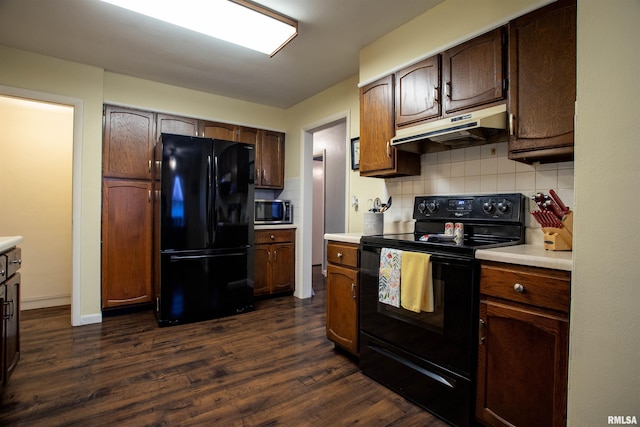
[{"x": 237, "y": 21}]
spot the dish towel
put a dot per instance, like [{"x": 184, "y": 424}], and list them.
[
  {"x": 389, "y": 276},
  {"x": 416, "y": 283}
]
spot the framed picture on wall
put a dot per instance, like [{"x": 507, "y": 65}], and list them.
[{"x": 355, "y": 153}]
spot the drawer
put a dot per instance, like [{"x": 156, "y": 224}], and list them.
[
  {"x": 273, "y": 236},
  {"x": 14, "y": 260},
  {"x": 539, "y": 287},
  {"x": 342, "y": 254}
]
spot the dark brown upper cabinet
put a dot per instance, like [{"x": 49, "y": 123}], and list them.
[
  {"x": 377, "y": 157},
  {"x": 542, "y": 72},
  {"x": 417, "y": 92},
  {"x": 473, "y": 73}
]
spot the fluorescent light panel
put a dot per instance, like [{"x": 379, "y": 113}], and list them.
[{"x": 236, "y": 21}]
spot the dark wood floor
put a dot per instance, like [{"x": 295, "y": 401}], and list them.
[{"x": 272, "y": 366}]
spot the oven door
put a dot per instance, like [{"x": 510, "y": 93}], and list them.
[{"x": 444, "y": 337}]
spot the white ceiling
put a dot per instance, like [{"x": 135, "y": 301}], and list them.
[{"x": 331, "y": 33}]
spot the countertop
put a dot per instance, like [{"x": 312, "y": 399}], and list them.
[
  {"x": 344, "y": 237},
  {"x": 274, "y": 226},
  {"x": 533, "y": 255},
  {"x": 7, "y": 242}
]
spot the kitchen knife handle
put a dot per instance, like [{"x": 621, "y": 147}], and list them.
[{"x": 558, "y": 200}]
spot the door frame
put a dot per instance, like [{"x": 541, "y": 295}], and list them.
[{"x": 76, "y": 191}]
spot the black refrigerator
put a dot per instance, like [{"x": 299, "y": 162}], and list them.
[{"x": 204, "y": 229}]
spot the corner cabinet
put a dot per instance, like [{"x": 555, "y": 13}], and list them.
[
  {"x": 523, "y": 346},
  {"x": 10, "y": 279},
  {"x": 377, "y": 126},
  {"x": 274, "y": 261},
  {"x": 343, "y": 295},
  {"x": 542, "y": 71}
]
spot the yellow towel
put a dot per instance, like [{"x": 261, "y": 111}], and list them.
[{"x": 416, "y": 284}]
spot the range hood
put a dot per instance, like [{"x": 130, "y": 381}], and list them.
[{"x": 474, "y": 128}]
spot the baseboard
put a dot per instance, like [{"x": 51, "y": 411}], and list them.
[
  {"x": 44, "y": 302},
  {"x": 89, "y": 319}
]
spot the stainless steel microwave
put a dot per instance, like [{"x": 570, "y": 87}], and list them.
[{"x": 273, "y": 211}]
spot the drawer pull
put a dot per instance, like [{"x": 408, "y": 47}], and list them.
[
  {"x": 481, "y": 335},
  {"x": 339, "y": 254},
  {"x": 16, "y": 261},
  {"x": 518, "y": 288},
  {"x": 353, "y": 290}
]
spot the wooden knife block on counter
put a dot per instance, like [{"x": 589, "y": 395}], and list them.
[{"x": 559, "y": 239}]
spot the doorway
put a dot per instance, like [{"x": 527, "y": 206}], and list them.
[
  {"x": 329, "y": 186},
  {"x": 36, "y": 164}
]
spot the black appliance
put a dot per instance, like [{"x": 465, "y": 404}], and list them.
[
  {"x": 204, "y": 228},
  {"x": 430, "y": 357}
]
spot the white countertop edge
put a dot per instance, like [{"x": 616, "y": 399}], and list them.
[
  {"x": 343, "y": 237},
  {"x": 7, "y": 242},
  {"x": 530, "y": 255}
]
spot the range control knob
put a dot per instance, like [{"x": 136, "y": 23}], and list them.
[
  {"x": 488, "y": 207},
  {"x": 432, "y": 206},
  {"x": 503, "y": 207},
  {"x": 422, "y": 206}
]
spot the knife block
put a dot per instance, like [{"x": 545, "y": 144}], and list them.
[{"x": 560, "y": 239}]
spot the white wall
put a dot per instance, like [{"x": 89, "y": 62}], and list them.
[
  {"x": 36, "y": 147},
  {"x": 604, "y": 365}
]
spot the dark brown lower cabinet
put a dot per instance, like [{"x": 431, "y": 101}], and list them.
[
  {"x": 343, "y": 295},
  {"x": 274, "y": 262},
  {"x": 126, "y": 242},
  {"x": 523, "y": 346}
]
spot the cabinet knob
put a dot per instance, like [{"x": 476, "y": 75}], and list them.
[
  {"x": 272, "y": 237},
  {"x": 518, "y": 288},
  {"x": 339, "y": 254}
]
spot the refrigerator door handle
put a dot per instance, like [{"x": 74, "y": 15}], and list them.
[
  {"x": 195, "y": 257},
  {"x": 209, "y": 202},
  {"x": 214, "y": 187}
]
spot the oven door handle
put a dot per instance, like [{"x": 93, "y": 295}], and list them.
[{"x": 439, "y": 378}]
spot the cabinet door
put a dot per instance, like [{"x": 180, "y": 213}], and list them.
[
  {"x": 127, "y": 147},
  {"x": 271, "y": 155},
  {"x": 224, "y": 131},
  {"x": 377, "y": 157},
  {"x": 282, "y": 267},
  {"x": 248, "y": 135},
  {"x": 126, "y": 242},
  {"x": 342, "y": 307},
  {"x": 418, "y": 92},
  {"x": 473, "y": 72},
  {"x": 522, "y": 366},
  {"x": 377, "y": 126},
  {"x": 176, "y": 125},
  {"x": 262, "y": 269},
  {"x": 542, "y": 72},
  {"x": 12, "y": 325}
]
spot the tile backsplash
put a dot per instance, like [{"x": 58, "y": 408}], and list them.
[{"x": 476, "y": 170}]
